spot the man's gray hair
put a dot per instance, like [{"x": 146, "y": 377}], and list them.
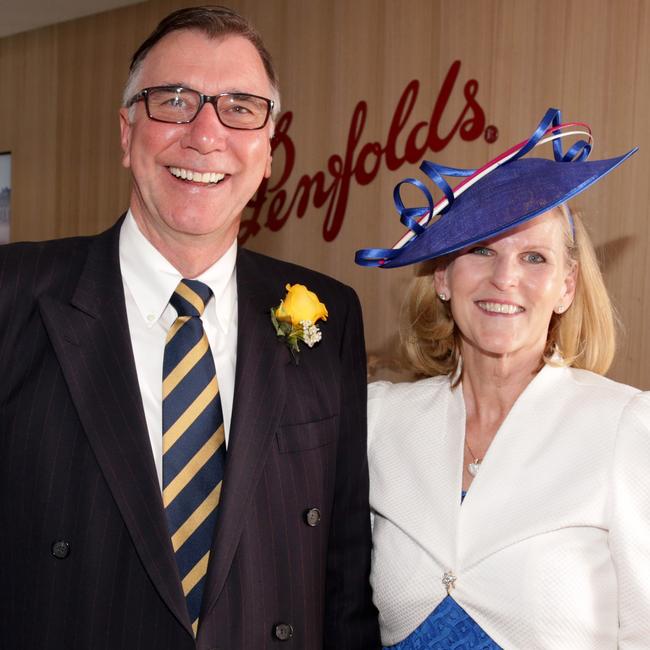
[{"x": 214, "y": 21}]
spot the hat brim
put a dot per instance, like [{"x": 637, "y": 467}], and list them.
[{"x": 511, "y": 195}]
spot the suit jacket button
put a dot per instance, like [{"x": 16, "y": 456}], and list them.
[
  {"x": 312, "y": 517},
  {"x": 60, "y": 549},
  {"x": 282, "y": 631}
]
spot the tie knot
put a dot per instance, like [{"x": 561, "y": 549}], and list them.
[{"x": 190, "y": 297}]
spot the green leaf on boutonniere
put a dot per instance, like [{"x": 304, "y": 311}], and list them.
[{"x": 295, "y": 318}]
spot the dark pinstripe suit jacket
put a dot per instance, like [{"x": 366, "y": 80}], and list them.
[{"x": 76, "y": 466}]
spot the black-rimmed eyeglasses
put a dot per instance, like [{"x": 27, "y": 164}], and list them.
[{"x": 178, "y": 105}]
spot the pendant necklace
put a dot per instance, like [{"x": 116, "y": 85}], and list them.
[{"x": 473, "y": 467}]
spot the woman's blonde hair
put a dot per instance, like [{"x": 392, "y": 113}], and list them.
[{"x": 584, "y": 335}]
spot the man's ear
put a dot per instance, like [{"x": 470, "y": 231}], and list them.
[
  {"x": 125, "y": 136},
  {"x": 267, "y": 169}
]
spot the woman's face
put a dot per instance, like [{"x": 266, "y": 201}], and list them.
[{"x": 503, "y": 291}]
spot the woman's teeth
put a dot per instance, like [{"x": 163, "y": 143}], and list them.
[{"x": 500, "y": 308}]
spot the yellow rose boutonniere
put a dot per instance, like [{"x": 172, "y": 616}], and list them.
[{"x": 296, "y": 316}]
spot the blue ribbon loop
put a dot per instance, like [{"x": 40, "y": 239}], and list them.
[
  {"x": 409, "y": 216},
  {"x": 578, "y": 152}
]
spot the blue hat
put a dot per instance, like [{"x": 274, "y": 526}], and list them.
[{"x": 502, "y": 194}]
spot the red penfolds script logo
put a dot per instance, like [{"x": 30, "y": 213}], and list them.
[{"x": 272, "y": 205}]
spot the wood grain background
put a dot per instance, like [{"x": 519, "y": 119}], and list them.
[{"x": 62, "y": 87}]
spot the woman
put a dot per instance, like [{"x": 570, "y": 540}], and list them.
[{"x": 510, "y": 490}]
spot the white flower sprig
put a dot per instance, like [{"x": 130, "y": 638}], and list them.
[{"x": 295, "y": 318}]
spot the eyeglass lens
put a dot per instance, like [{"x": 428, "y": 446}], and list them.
[{"x": 182, "y": 104}]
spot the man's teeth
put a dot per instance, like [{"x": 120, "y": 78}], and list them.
[
  {"x": 500, "y": 308},
  {"x": 197, "y": 177}
]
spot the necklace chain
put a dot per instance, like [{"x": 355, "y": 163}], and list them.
[
  {"x": 475, "y": 461},
  {"x": 471, "y": 453}
]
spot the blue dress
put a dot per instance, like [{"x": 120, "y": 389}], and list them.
[{"x": 448, "y": 627}]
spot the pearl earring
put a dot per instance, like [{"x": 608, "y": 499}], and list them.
[
  {"x": 559, "y": 309},
  {"x": 443, "y": 297}
]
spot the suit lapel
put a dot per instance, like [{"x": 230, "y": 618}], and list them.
[
  {"x": 91, "y": 340},
  {"x": 257, "y": 407}
]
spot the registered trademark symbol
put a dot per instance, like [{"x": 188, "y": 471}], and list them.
[{"x": 491, "y": 133}]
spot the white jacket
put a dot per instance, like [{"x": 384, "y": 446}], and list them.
[{"x": 551, "y": 547}]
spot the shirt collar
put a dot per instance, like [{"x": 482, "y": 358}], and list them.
[{"x": 152, "y": 279}]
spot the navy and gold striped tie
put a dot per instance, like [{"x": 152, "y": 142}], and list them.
[{"x": 193, "y": 441}]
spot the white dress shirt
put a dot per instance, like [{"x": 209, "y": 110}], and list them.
[{"x": 149, "y": 282}]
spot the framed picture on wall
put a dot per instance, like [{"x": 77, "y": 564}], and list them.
[{"x": 5, "y": 197}]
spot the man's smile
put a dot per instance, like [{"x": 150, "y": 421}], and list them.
[{"x": 196, "y": 176}]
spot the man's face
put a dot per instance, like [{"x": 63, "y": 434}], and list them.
[{"x": 167, "y": 208}]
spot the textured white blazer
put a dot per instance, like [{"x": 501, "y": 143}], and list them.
[{"x": 551, "y": 547}]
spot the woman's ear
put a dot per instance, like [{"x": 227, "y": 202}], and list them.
[
  {"x": 440, "y": 281},
  {"x": 570, "y": 282}
]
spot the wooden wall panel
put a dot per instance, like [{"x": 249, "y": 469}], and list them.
[
  {"x": 28, "y": 120},
  {"x": 587, "y": 57}
]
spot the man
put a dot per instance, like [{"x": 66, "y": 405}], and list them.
[{"x": 162, "y": 492}]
